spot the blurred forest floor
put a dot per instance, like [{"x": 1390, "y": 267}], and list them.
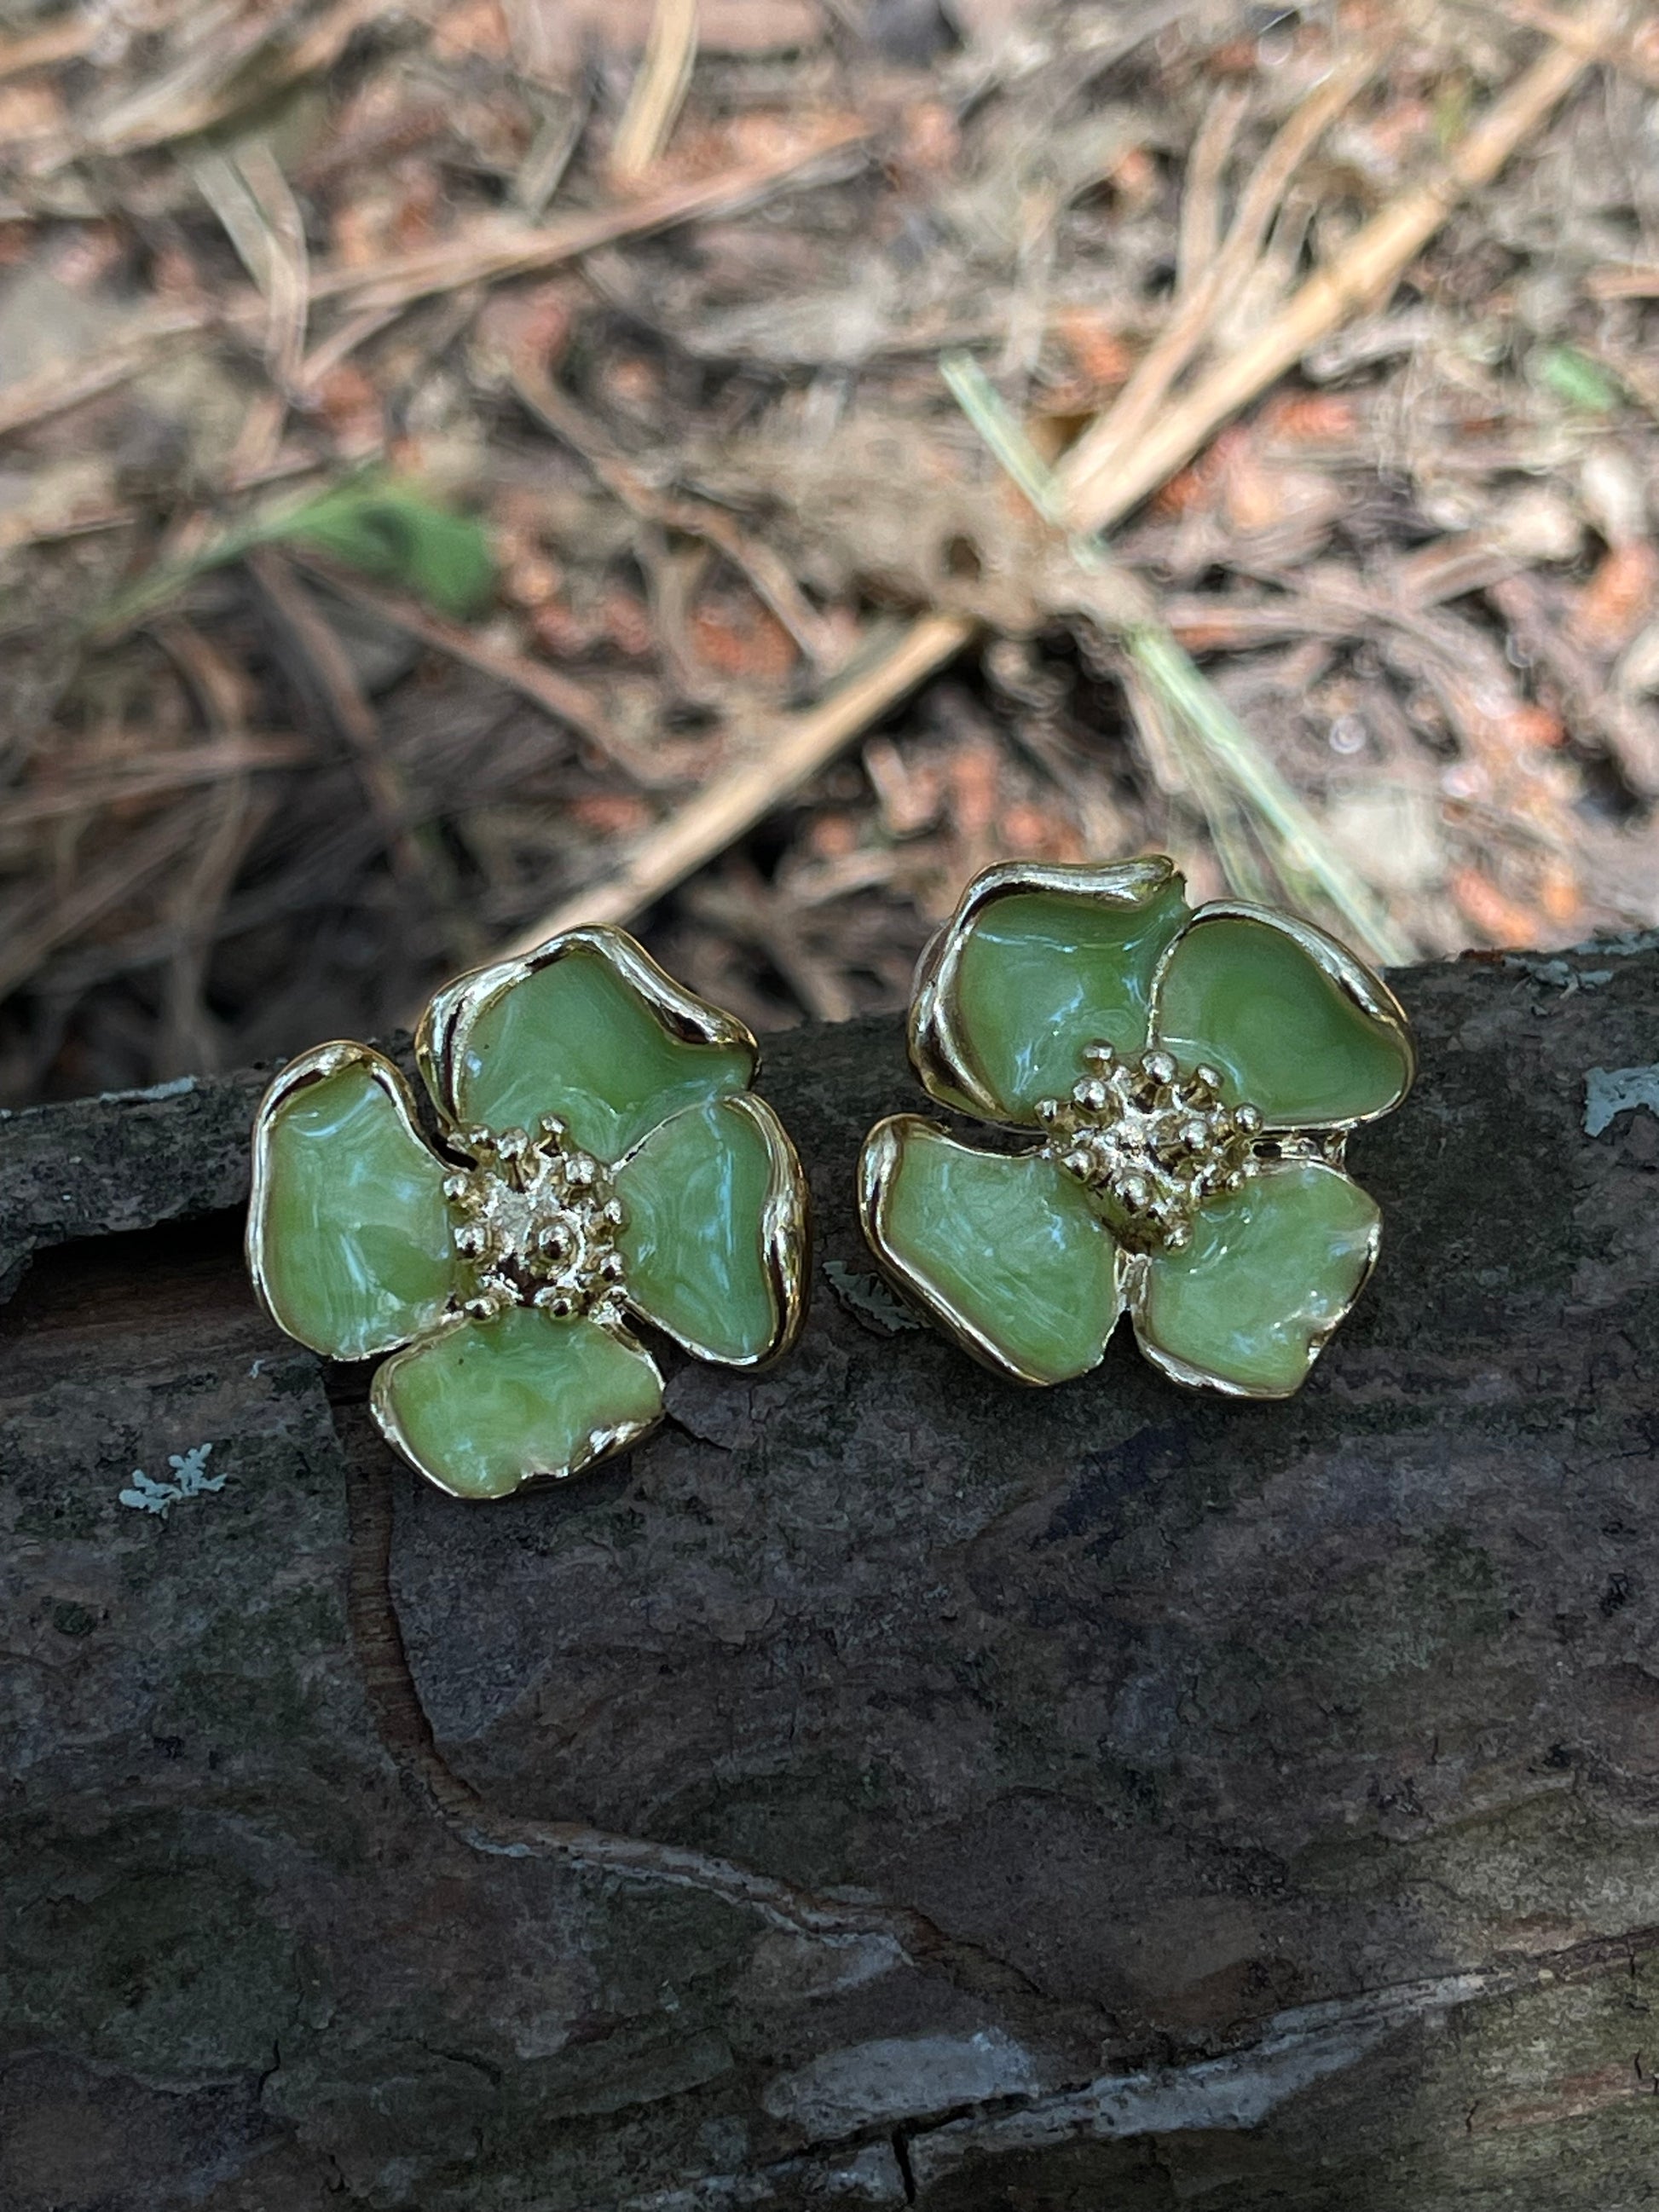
[{"x": 472, "y": 465}]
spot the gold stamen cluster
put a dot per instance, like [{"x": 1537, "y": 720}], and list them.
[
  {"x": 1150, "y": 1142},
  {"x": 535, "y": 1223}
]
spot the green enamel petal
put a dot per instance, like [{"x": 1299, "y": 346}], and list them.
[
  {"x": 1269, "y": 1274},
  {"x": 349, "y": 1220},
  {"x": 1010, "y": 1248},
  {"x": 575, "y": 1038},
  {"x": 1042, "y": 974},
  {"x": 695, "y": 1240},
  {"x": 1245, "y": 995},
  {"x": 481, "y": 1407}
]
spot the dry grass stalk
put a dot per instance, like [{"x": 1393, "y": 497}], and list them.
[
  {"x": 1370, "y": 268},
  {"x": 487, "y": 253},
  {"x": 53, "y": 919},
  {"x": 483, "y": 253},
  {"x": 1199, "y": 233},
  {"x": 1619, "y": 53},
  {"x": 1183, "y": 710},
  {"x": 659, "y": 92},
  {"x": 561, "y": 697},
  {"x": 65, "y": 41},
  {"x": 254, "y": 200},
  {"x": 1102, "y": 490},
  {"x": 1101, "y": 452},
  {"x": 313, "y": 639},
  {"x": 159, "y": 776},
  {"x": 56, "y": 389},
  {"x": 793, "y": 750},
  {"x": 766, "y": 571},
  {"x": 216, "y": 80}
]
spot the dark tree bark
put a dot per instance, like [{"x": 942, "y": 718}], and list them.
[{"x": 885, "y": 1786}]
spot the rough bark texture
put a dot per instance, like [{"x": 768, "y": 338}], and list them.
[{"x": 886, "y": 1787}]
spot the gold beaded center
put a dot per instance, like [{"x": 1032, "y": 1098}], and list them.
[
  {"x": 535, "y": 1222},
  {"x": 1150, "y": 1142}
]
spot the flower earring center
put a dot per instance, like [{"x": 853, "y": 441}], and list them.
[
  {"x": 1151, "y": 1142},
  {"x": 535, "y": 1223}
]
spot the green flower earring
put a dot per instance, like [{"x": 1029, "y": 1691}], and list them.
[
  {"x": 1194, "y": 1076},
  {"x": 600, "y": 1156}
]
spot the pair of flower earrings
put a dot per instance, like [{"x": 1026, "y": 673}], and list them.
[{"x": 1191, "y": 1077}]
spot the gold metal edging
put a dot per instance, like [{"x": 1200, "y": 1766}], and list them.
[
  {"x": 305, "y": 1069},
  {"x": 1353, "y": 978},
  {"x": 451, "y": 1014},
  {"x": 1195, "y": 1378},
  {"x": 785, "y": 1238},
  {"x": 878, "y": 1163},
  {"x": 600, "y": 1444},
  {"x": 937, "y": 1053}
]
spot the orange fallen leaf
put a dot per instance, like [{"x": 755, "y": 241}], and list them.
[
  {"x": 1102, "y": 358},
  {"x": 1195, "y": 486},
  {"x": 1619, "y": 598},
  {"x": 627, "y": 623},
  {"x": 609, "y": 813},
  {"x": 1560, "y": 894},
  {"x": 832, "y": 836},
  {"x": 1500, "y": 919},
  {"x": 1307, "y": 418},
  {"x": 745, "y": 640},
  {"x": 464, "y": 28}
]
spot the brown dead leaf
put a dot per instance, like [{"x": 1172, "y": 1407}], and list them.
[
  {"x": 1532, "y": 729},
  {"x": 1195, "y": 486}
]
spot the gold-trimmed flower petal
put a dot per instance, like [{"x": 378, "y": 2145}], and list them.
[
  {"x": 348, "y": 1236},
  {"x": 482, "y": 1408},
  {"x": 1036, "y": 962},
  {"x": 1294, "y": 1022},
  {"x": 1246, "y": 1307},
  {"x": 715, "y": 1234},
  {"x": 588, "y": 1027},
  {"x": 1005, "y": 1253}
]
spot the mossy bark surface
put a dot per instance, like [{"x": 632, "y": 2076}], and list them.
[{"x": 887, "y": 1785}]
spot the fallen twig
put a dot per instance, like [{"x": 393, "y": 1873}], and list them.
[
  {"x": 567, "y": 700},
  {"x": 794, "y": 750},
  {"x": 659, "y": 90},
  {"x": 65, "y": 41},
  {"x": 766, "y": 571},
  {"x": 481, "y": 253},
  {"x": 1102, "y": 486},
  {"x": 487, "y": 253},
  {"x": 1103, "y": 450},
  {"x": 158, "y": 777},
  {"x": 315, "y": 642},
  {"x": 1373, "y": 263}
]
